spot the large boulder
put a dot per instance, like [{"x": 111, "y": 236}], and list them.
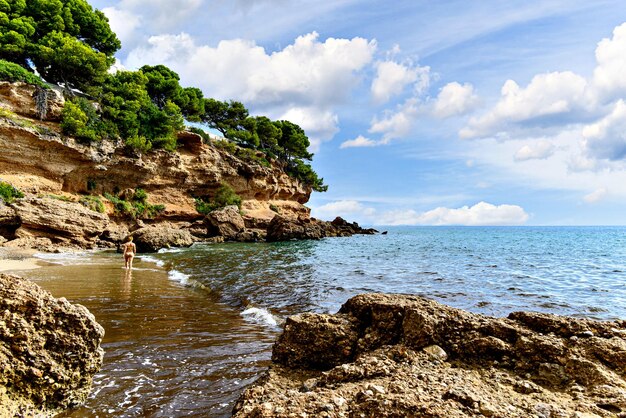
[
  {"x": 49, "y": 350},
  {"x": 399, "y": 355},
  {"x": 150, "y": 239},
  {"x": 59, "y": 220},
  {"x": 284, "y": 229},
  {"x": 226, "y": 222}
]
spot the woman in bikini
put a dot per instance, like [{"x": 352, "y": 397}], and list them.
[{"x": 129, "y": 252}]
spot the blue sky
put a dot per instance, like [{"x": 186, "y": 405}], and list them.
[{"x": 419, "y": 112}]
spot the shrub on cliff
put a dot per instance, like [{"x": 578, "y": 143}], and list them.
[
  {"x": 136, "y": 206},
  {"x": 13, "y": 72},
  {"x": 9, "y": 193},
  {"x": 80, "y": 119},
  {"x": 225, "y": 196}
]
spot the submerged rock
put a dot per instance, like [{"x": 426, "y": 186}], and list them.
[
  {"x": 49, "y": 350},
  {"x": 406, "y": 356}
]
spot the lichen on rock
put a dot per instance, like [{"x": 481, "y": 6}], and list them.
[{"x": 49, "y": 350}]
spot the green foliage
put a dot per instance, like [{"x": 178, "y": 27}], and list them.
[
  {"x": 67, "y": 40},
  {"x": 143, "y": 124},
  {"x": 205, "y": 136},
  {"x": 293, "y": 141},
  {"x": 274, "y": 208},
  {"x": 226, "y": 117},
  {"x": 226, "y": 145},
  {"x": 9, "y": 193},
  {"x": 80, "y": 119},
  {"x": 92, "y": 202},
  {"x": 13, "y": 72},
  {"x": 137, "y": 207},
  {"x": 224, "y": 196},
  {"x": 252, "y": 156},
  {"x": 305, "y": 173}
]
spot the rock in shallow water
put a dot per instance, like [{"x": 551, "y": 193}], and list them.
[
  {"x": 406, "y": 356},
  {"x": 49, "y": 350}
]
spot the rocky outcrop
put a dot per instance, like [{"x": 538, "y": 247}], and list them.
[
  {"x": 152, "y": 238},
  {"x": 66, "y": 223},
  {"x": 37, "y": 159},
  {"x": 285, "y": 229},
  {"x": 49, "y": 350},
  {"x": 20, "y": 98},
  {"x": 226, "y": 222},
  {"x": 397, "y": 355}
]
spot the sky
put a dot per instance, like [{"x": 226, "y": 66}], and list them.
[{"x": 453, "y": 112}]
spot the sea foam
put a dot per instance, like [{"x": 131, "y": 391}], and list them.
[
  {"x": 178, "y": 276},
  {"x": 260, "y": 316}
]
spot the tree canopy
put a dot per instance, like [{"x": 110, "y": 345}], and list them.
[{"x": 67, "y": 41}]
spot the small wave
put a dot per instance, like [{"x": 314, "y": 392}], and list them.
[
  {"x": 260, "y": 316},
  {"x": 64, "y": 258},
  {"x": 178, "y": 276},
  {"x": 150, "y": 259},
  {"x": 169, "y": 250}
]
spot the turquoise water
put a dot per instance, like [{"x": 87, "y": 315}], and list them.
[
  {"x": 188, "y": 329},
  {"x": 579, "y": 271}
]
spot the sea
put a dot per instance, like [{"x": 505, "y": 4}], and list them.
[{"x": 188, "y": 329}]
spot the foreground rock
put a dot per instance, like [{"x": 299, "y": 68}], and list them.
[
  {"x": 405, "y": 356},
  {"x": 49, "y": 350}
]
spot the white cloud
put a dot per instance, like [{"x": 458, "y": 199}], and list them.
[
  {"x": 392, "y": 78},
  {"x": 547, "y": 100},
  {"x": 396, "y": 124},
  {"x": 303, "y": 82},
  {"x": 122, "y": 22},
  {"x": 596, "y": 195},
  {"x": 455, "y": 99},
  {"x": 608, "y": 76},
  {"x": 538, "y": 151},
  {"x": 481, "y": 214},
  {"x": 606, "y": 139},
  {"x": 359, "y": 141},
  {"x": 343, "y": 208}
]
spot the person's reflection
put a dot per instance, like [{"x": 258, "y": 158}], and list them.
[{"x": 127, "y": 279}]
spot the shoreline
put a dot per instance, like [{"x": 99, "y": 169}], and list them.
[{"x": 18, "y": 260}]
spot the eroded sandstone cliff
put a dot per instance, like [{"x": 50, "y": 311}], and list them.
[
  {"x": 55, "y": 171},
  {"x": 406, "y": 356}
]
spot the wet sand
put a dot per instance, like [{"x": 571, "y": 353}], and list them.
[
  {"x": 14, "y": 260},
  {"x": 170, "y": 350}
]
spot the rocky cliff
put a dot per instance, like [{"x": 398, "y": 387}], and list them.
[
  {"x": 49, "y": 350},
  {"x": 406, "y": 356},
  {"x": 55, "y": 172}
]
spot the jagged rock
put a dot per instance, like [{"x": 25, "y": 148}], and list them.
[
  {"x": 190, "y": 141},
  {"x": 226, "y": 222},
  {"x": 49, "y": 350},
  {"x": 9, "y": 221},
  {"x": 342, "y": 228},
  {"x": 285, "y": 229},
  {"x": 58, "y": 220},
  {"x": 399, "y": 355},
  {"x": 20, "y": 98},
  {"x": 152, "y": 238}
]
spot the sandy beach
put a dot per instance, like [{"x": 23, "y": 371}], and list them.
[{"x": 18, "y": 260}]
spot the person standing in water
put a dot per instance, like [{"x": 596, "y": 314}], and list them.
[{"x": 129, "y": 252}]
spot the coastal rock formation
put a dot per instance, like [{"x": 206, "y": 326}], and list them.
[
  {"x": 406, "y": 356},
  {"x": 56, "y": 172},
  {"x": 63, "y": 222},
  {"x": 285, "y": 229},
  {"x": 152, "y": 238},
  {"x": 49, "y": 350},
  {"x": 226, "y": 222}
]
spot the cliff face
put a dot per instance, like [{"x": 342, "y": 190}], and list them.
[{"x": 39, "y": 161}]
